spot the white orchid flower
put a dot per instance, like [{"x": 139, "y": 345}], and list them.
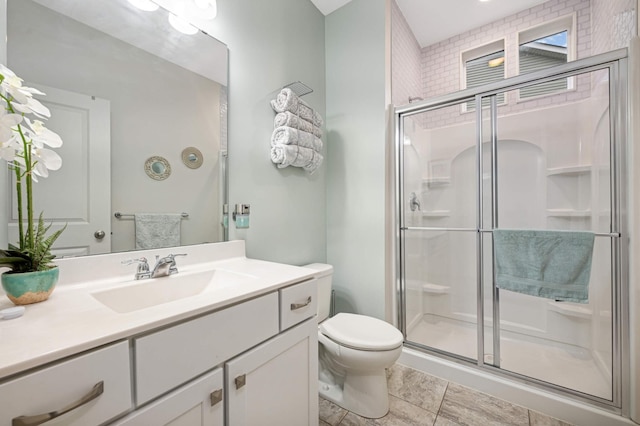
[
  {"x": 40, "y": 135},
  {"x": 45, "y": 160},
  {"x": 8, "y": 122},
  {"x": 9, "y": 149},
  {"x": 21, "y": 96},
  {"x": 32, "y": 106}
]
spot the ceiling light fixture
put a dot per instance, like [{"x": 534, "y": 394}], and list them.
[
  {"x": 181, "y": 25},
  {"x": 146, "y": 5},
  {"x": 205, "y": 9}
]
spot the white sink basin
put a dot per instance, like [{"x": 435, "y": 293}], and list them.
[{"x": 143, "y": 294}]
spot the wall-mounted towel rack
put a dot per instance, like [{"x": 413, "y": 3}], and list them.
[
  {"x": 299, "y": 88},
  {"x": 119, "y": 215}
]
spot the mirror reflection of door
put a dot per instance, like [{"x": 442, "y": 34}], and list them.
[{"x": 83, "y": 123}]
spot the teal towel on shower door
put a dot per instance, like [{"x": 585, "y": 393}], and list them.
[{"x": 551, "y": 264}]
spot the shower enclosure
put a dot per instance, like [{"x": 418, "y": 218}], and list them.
[{"x": 498, "y": 157}]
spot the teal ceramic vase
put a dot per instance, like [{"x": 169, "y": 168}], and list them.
[{"x": 25, "y": 288}]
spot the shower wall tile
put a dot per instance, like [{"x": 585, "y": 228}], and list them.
[
  {"x": 416, "y": 387},
  {"x": 613, "y": 25},
  {"x": 406, "y": 60},
  {"x": 441, "y": 73},
  {"x": 465, "y": 406}
]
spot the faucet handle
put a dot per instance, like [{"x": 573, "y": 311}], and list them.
[
  {"x": 143, "y": 267},
  {"x": 141, "y": 260},
  {"x": 173, "y": 269}
]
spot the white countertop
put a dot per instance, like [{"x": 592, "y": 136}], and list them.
[{"x": 73, "y": 321}]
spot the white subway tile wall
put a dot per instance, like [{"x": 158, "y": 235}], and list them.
[{"x": 406, "y": 60}]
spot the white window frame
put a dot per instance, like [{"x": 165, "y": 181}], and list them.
[
  {"x": 566, "y": 23},
  {"x": 478, "y": 52}
]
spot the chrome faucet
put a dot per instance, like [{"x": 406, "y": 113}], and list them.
[
  {"x": 165, "y": 266},
  {"x": 414, "y": 202}
]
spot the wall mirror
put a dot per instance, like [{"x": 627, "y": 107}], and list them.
[
  {"x": 122, "y": 85},
  {"x": 157, "y": 168},
  {"x": 192, "y": 157}
]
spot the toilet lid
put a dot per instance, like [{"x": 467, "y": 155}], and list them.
[{"x": 361, "y": 332}]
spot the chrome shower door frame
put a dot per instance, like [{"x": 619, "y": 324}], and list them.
[{"x": 616, "y": 63}]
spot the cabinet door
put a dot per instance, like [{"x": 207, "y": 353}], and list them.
[
  {"x": 276, "y": 383},
  {"x": 199, "y": 403}
]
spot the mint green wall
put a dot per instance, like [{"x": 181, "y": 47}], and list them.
[
  {"x": 356, "y": 58},
  {"x": 273, "y": 43}
]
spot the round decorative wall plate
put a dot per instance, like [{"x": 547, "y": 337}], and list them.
[
  {"x": 192, "y": 157},
  {"x": 157, "y": 168}
]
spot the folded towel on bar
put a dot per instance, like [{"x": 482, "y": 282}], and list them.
[
  {"x": 297, "y": 156},
  {"x": 289, "y": 136},
  {"x": 289, "y": 101},
  {"x": 289, "y": 119},
  {"x": 551, "y": 264},
  {"x": 157, "y": 230}
]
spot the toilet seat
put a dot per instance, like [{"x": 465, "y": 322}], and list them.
[{"x": 361, "y": 332}]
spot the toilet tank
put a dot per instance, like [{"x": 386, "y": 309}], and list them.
[{"x": 323, "y": 273}]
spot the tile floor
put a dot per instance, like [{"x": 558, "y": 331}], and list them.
[{"x": 418, "y": 399}]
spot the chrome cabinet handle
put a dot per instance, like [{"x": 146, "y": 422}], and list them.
[
  {"x": 216, "y": 397},
  {"x": 39, "y": 419},
  {"x": 296, "y": 306}
]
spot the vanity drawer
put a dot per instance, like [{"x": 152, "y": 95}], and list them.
[
  {"x": 171, "y": 357},
  {"x": 298, "y": 302},
  {"x": 101, "y": 378}
]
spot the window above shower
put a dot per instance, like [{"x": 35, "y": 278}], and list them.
[
  {"x": 483, "y": 65},
  {"x": 550, "y": 44}
]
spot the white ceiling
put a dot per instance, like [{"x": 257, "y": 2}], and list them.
[
  {"x": 328, "y": 6},
  {"x": 435, "y": 20}
]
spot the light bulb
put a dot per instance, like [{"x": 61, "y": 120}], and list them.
[{"x": 204, "y": 9}]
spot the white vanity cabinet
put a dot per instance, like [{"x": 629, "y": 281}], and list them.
[
  {"x": 85, "y": 390},
  {"x": 250, "y": 362}
]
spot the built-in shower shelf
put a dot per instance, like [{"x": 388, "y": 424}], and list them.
[
  {"x": 436, "y": 213},
  {"x": 569, "y": 170},
  {"x": 570, "y": 310},
  {"x": 436, "y": 181},
  {"x": 435, "y": 288},
  {"x": 569, "y": 213}
]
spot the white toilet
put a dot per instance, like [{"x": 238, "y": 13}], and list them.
[{"x": 354, "y": 351}]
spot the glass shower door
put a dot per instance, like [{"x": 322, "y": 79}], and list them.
[
  {"x": 553, "y": 172},
  {"x": 471, "y": 169},
  {"x": 439, "y": 231}
]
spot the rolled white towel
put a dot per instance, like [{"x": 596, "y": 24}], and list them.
[
  {"x": 297, "y": 156},
  {"x": 289, "y": 136},
  {"x": 287, "y": 118},
  {"x": 289, "y": 101}
]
